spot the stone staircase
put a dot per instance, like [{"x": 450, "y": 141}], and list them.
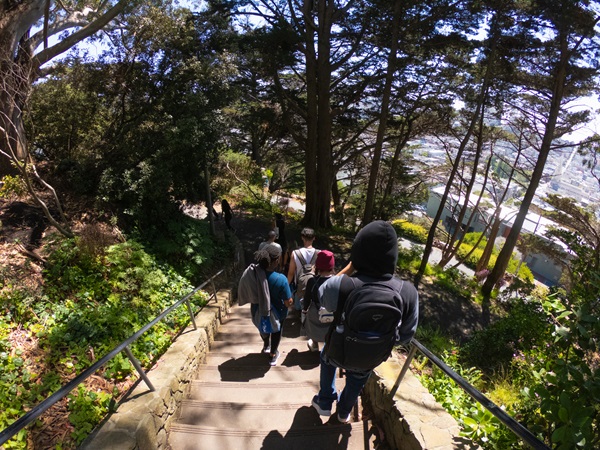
[{"x": 238, "y": 401}]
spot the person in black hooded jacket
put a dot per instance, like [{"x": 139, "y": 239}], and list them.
[{"x": 373, "y": 257}]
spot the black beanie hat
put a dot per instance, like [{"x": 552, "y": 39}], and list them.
[{"x": 375, "y": 250}]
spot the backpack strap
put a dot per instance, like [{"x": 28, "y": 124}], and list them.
[
  {"x": 303, "y": 261},
  {"x": 347, "y": 285},
  {"x": 314, "y": 292},
  {"x": 300, "y": 257}
]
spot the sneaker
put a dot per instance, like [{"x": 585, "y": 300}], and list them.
[
  {"x": 312, "y": 345},
  {"x": 343, "y": 419},
  {"x": 317, "y": 406},
  {"x": 274, "y": 358},
  {"x": 266, "y": 349}
]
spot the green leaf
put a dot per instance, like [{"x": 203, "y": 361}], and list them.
[
  {"x": 563, "y": 414},
  {"x": 559, "y": 434}
]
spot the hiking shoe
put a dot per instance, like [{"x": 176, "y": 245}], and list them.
[
  {"x": 312, "y": 345},
  {"x": 321, "y": 410},
  {"x": 266, "y": 349},
  {"x": 274, "y": 358}
]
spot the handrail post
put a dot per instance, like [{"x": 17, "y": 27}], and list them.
[
  {"x": 214, "y": 288},
  {"x": 411, "y": 354},
  {"x": 189, "y": 308},
  {"x": 138, "y": 367}
]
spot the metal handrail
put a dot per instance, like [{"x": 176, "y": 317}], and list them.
[
  {"x": 41, "y": 407},
  {"x": 507, "y": 420}
]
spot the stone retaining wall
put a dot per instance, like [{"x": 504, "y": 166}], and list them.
[
  {"x": 143, "y": 417},
  {"x": 412, "y": 419}
]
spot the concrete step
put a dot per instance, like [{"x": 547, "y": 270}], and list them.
[
  {"x": 354, "y": 436},
  {"x": 261, "y": 394},
  {"x": 238, "y": 401},
  {"x": 247, "y": 416},
  {"x": 234, "y": 371},
  {"x": 255, "y": 346}
]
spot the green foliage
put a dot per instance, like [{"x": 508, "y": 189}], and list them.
[
  {"x": 261, "y": 207},
  {"x": 91, "y": 302},
  {"x": 434, "y": 339},
  {"x": 12, "y": 186},
  {"x": 524, "y": 327},
  {"x": 187, "y": 245},
  {"x": 409, "y": 259},
  {"x": 472, "y": 239},
  {"x": 234, "y": 166},
  {"x": 476, "y": 422},
  {"x": 565, "y": 385},
  {"x": 454, "y": 281},
  {"x": 416, "y": 233},
  {"x": 86, "y": 410}
]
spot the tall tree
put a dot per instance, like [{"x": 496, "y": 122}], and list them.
[
  {"x": 555, "y": 63},
  {"x": 414, "y": 80},
  {"x": 61, "y": 26}
]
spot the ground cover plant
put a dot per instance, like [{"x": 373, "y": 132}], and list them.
[
  {"x": 88, "y": 302},
  {"x": 538, "y": 360}
]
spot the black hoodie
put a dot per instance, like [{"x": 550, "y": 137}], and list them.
[{"x": 375, "y": 250}]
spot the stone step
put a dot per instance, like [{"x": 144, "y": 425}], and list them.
[
  {"x": 239, "y": 401},
  {"x": 289, "y": 356},
  {"x": 354, "y": 436},
  {"x": 255, "y": 346},
  {"x": 249, "y": 333},
  {"x": 240, "y": 372},
  {"x": 249, "y": 416},
  {"x": 271, "y": 393}
]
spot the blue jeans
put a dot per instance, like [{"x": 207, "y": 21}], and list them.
[{"x": 355, "y": 381}]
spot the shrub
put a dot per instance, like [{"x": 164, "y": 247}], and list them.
[
  {"x": 454, "y": 281},
  {"x": 472, "y": 238},
  {"x": 410, "y": 231},
  {"x": 93, "y": 300},
  {"x": 12, "y": 187},
  {"x": 522, "y": 328},
  {"x": 409, "y": 259}
]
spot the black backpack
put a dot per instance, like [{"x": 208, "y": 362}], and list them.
[{"x": 366, "y": 326}]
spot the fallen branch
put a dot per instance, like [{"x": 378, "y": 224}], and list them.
[{"x": 30, "y": 253}]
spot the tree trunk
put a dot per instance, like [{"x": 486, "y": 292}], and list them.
[
  {"x": 312, "y": 120},
  {"x": 389, "y": 187},
  {"x": 480, "y": 101},
  {"x": 555, "y": 106},
  {"x": 325, "y": 175},
  {"x": 19, "y": 67},
  {"x": 385, "y": 102}
]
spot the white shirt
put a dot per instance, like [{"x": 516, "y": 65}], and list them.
[{"x": 307, "y": 254}]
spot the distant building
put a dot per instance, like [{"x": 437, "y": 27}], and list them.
[{"x": 542, "y": 266}]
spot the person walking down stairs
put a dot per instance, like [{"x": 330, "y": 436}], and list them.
[
  {"x": 359, "y": 349},
  {"x": 302, "y": 263},
  {"x": 316, "y": 320},
  {"x": 269, "y": 295}
]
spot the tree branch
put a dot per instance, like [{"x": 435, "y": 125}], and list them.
[{"x": 46, "y": 55}]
